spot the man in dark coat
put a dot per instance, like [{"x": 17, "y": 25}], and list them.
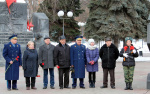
[
  {"x": 62, "y": 61},
  {"x": 11, "y": 51},
  {"x": 109, "y": 54},
  {"x": 45, "y": 60},
  {"x": 78, "y": 62}
]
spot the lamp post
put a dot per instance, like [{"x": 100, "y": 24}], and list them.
[
  {"x": 81, "y": 24},
  {"x": 61, "y": 14}
]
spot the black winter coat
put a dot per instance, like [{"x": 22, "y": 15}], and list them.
[
  {"x": 30, "y": 63},
  {"x": 62, "y": 56},
  {"x": 109, "y": 56},
  {"x": 130, "y": 60}
]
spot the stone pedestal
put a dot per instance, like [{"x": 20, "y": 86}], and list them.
[
  {"x": 16, "y": 23},
  {"x": 23, "y": 38},
  {"x": 41, "y": 27}
]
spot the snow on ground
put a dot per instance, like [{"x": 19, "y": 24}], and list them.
[{"x": 138, "y": 44}]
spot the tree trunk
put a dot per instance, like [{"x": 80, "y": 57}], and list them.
[
  {"x": 124, "y": 43},
  {"x": 116, "y": 42}
]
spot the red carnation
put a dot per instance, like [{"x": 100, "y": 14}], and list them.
[
  {"x": 17, "y": 59},
  {"x": 132, "y": 47},
  {"x": 125, "y": 48},
  {"x": 43, "y": 64},
  {"x": 38, "y": 76},
  {"x": 17, "y": 56},
  {"x": 58, "y": 67}
]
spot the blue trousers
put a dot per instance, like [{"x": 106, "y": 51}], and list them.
[
  {"x": 45, "y": 78},
  {"x": 75, "y": 82},
  {"x": 14, "y": 84}
]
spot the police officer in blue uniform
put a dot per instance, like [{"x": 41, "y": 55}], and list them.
[
  {"x": 78, "y": 62},
  {"x": 12, "y": 51}
]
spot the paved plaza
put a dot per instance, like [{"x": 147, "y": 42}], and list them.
[{"x": 139, "y": 84}]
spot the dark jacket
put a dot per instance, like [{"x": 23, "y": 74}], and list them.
[
  {"x": 46, "y": 56},
  {"x": 109, "y": 56},
  {"x": 62, "y": 56},
  {"x": 30, "y": 63},
  {"x": 130, "y": 60}
]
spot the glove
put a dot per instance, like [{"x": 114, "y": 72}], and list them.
[
  {"x": 134, "y": 51},
  {"x": 91, "y": 62},
  {"x": 125, "y": 55}
]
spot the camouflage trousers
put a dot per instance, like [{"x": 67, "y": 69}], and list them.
[{"x": 128, "y": 73}]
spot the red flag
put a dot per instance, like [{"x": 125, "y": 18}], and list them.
[
  {"x": 30, "y": 25},
  {"x": 9, "y": 2}
]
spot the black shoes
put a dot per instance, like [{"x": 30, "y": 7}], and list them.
[
  {"x": 34, "y": 88},
  {"x": 27, "y": 88},
  {"x": 73, "y": 87},
  {"x": 44, "y": 87},
  {"x": 128, "y": 86},
  {"x": 113, "y": 87},
  {"x": 103, "y": 87},
  {"x": 61, "y": 87},
  {"x": 82, "y": 87},
  {"x": 67, "y": 87},
  {"x": 8, "y": 89},
  {"x": 92, "y": 84},
  {"x": 15, "y": 89},
  {"x": 12, "y": 89},
  {"x": 52, "y": 87}
]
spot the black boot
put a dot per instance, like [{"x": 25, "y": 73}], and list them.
[
  {"x": 130, "y": 86},
  {"x": 90, "y": 84},
  {"x": 93, "y": 84},
  {"x": 127, "y": 86}
]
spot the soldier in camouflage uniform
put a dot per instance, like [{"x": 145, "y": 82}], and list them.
[{"x": 129, "y": 52}]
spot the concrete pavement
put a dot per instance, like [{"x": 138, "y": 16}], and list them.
[{"x": 139, "y": 84}]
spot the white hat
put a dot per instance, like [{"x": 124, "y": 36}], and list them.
[{"x": 91, "y": 40}]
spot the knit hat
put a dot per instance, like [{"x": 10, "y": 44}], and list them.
[
  {"x": 107, "y": 39},
  {"x": 91, "y": 40},
  {"x": 128, "y": 38},
  {"x": 62, "y": 37},
  {"x": 46, "y": 38}
]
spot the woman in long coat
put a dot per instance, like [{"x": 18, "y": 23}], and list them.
[
  {"x": 92, "y": 55},
  {"x": 30, "y": 65}
]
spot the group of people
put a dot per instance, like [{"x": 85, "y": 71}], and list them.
[{"x": 76, "y": 59}]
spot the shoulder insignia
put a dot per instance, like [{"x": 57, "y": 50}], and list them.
[
  {"x": 74, "y": 46},
  {"x": 10, "y": 45},
  {"x": 17, "y": 45}
]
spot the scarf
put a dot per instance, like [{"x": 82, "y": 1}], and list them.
[{"x": 92, "y": 47}]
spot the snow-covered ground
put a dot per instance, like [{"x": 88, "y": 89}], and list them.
[{"x": 138, "y": 44}]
